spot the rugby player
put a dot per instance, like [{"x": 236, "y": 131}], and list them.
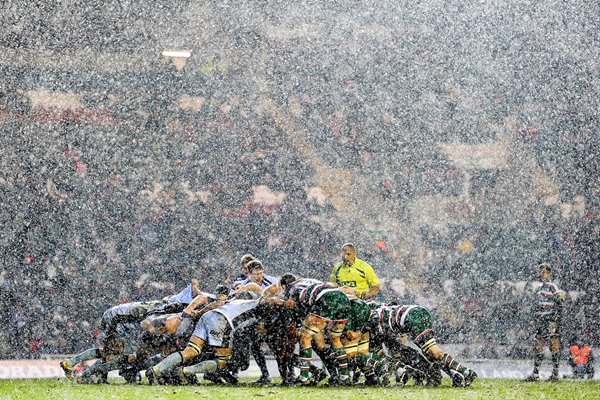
[
  {"x": 254, "y": 285},
  {"x": 214, "y": 329},
  {"x": 389, "y": 324},
  {"x": 547, "y": 314},
  {"x": 320, "y": 306},
  {"x": 117, "y": 325}
]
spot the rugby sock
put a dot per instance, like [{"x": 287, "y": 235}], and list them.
[
  {"x": 371, "y": 363},
  {"x": 201, "y": 368},
  {"x": 105, "y": 367},
  {"x": 88, "y": 354},
  {"x": 152, "y": 361},
  {"x": 555, "y": 363},
  {"x": 305, "y": 358},
  {"x": 450, "y": 364},
  {"x": 172, "y": 361},
  {"x": 537, "y": 361},
  {"x": 342, "y": 362}
]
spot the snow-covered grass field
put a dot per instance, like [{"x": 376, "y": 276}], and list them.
[{"x": 481, "y": 389}]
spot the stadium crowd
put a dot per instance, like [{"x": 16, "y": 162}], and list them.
[{"x": 129, "y": 194}]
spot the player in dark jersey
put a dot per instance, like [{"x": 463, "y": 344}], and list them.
[
  {"x": 356, "y": 340},
  {"x": 389, "y": 324},
  {"x": 117, "y": 324},
  {"x": 166, "y": 333},
  {"x": 547, "y": 313},
  {"x": 320, "y": 306},
  {"x": 213, "y": 329}
]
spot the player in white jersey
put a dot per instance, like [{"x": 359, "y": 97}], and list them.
[
  {"x": 117, "y": 326},
  {"x": 213, "y": 329}
]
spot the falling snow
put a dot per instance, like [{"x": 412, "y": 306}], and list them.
[{"x": 456, "y": 145}]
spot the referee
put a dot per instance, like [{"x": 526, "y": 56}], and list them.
[{"x": 354, "y": 275}]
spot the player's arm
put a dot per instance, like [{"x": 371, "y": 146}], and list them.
[
  {"x": 351, "y": 292},
  {"x": 271, "y": 295},
  {"x": 249, "y": 287},
  {"x": 196, "y": 287},
  {"x": 195, "y": 303},
  {"x": 207, "y": 308},
  {"x": 372, "y": 292},
  {"x": 278, "y": 301},
  {"x": 272, "y": 291}
]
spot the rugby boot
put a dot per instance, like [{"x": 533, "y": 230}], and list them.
[
  {"x": 263, "y": 380},
  {"x": 532, "y": 378},
  {"x": 318, "y": 376},
  {"x": 214, "y": 377},
  {"x": 68, "y": 368},
  {"x": 303, "y": 380},
  {"x": 154, "y": 376},
  {"x": 458, "y": 379},
  {"x": 470, "y": 376},
  {"x": 402, "y": 376}
]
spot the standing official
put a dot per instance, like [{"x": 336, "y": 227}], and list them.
[{"x": 354, "y": 275}]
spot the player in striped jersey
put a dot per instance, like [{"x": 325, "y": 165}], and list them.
[
  {"x": 320, "y": 306},
  {"x": 547, "y": 313},
  {"x": 356, "y": 340},
  {"x": 401, "y": 322}
]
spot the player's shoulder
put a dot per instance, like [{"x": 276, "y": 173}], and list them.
[
  {"x": 338, "y": 266},
  {"x": 362, "y": 264}
]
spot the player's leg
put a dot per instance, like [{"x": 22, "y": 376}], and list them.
[
  {"x": 538, "y": 357},
  {"x": 192, "y": 350},
  {"x": 554, "y": 339},
  {"x": 374, "y": 366},
  {"x": 356, "y": 345},
  {"x": 589, "y": 369},
  {"x": 261, "y": 361},
  {"x": 418, "y": 321},
  {"x": 219, "y": 336},
  {"x": 335, "y": 306},
  {"x": 312, "y": 325},
  {"x": 100, "y": 370},
  {"x": 68, "y": 364},
  {"x": 222, "y": 357},
  {"x": 334, "y": 336}
]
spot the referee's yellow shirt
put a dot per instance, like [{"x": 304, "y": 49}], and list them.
[{"x": 359, "y": 276}]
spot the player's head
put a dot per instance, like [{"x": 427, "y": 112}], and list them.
[
  {"x": 545, "y": 271},
  {"x": 348, "y": 254},
  {"x": 255, "y": 271},
  {"x": 244, "y": 260},
  {"x": 287, "y": 279},
  {"x": 221, "y": 291}
]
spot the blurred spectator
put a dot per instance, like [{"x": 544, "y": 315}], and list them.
[{"x": 581, "y": 360}]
